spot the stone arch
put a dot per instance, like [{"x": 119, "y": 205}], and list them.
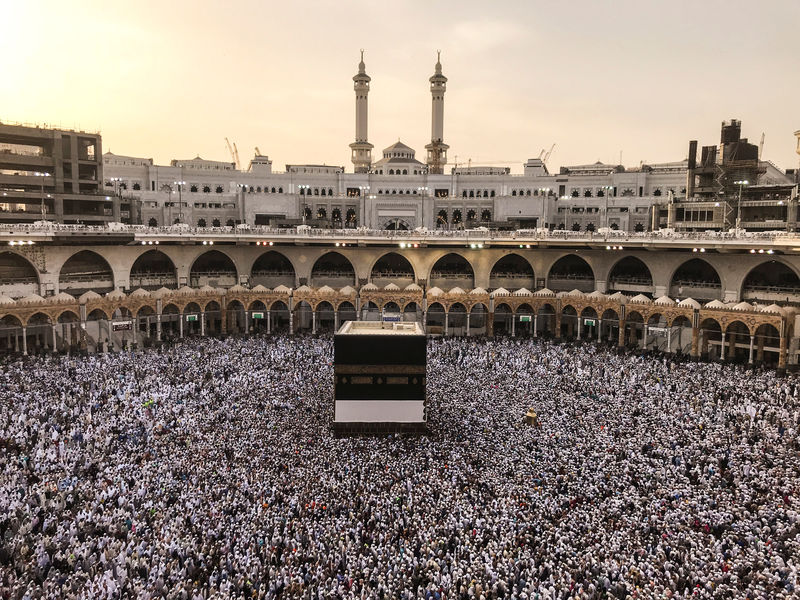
[
  {"x": 571, "y": 272},
  {"x": 457, "y": 318},
  {"x": 333, "y": 269},
  {"x": 18, "y": 276},
  {"x": 630, "y": 275},
  {"x": 767, "y": 344},
  {"x": 696, "y": 278},
  {"x": 392, "y": 267},
  {"x": 710, "y": 338},
  {"x": 83, "y": 271},
  {"x": 737, "y": 341},
  {"x": 478, "y": 319},
  {"x": 152, "y": 270},
  {"x": 771, "y": 282},
  {"x": 681, "y": 327},
  {"x": 272, "y": 269},
  {"x": 546, "y": 320},
  {"x": 396, "y": 225},
  {"x": 326, "y": 316},
  {"x": 452, "y": 270},
  {"x": 503, "y": 318},
  {"x": 434, "y": 318},
  {"x": 214, "y": 268},
  {"x": 512, "y": 272}
]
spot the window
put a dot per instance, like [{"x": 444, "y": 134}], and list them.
[
  {"x": 229, "y": 222},
  {"x": 152, "y": 222},
  {"x": 280, "y": 190},
  {"x": 486, "y": 215},
  {"x": 201, "y": 222},
  {"x": 391, "y": 171},
  {"x": 575, "y": 193},
  {"x": 219, "y": 189},
  {"x": 513, "y": 192},
  {"x": 587, "y": 194},
  {"x": 405, "y": 171},
  {"x": 137, "y": 186},
  {"x": 193, "y": 188},
  {"x": 215, "y": 223},
  {"x": 206, "y": 189}
]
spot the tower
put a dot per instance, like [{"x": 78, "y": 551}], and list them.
[
  {"x": 437, "y": 149},
  {"x": 361, "y": 149}
]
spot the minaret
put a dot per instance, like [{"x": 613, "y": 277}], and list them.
[
  {"x": 437, "y": 149},
  {"x": 361, "y": 149}
]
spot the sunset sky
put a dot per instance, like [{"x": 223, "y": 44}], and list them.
[{"x": 173, "y": 78}]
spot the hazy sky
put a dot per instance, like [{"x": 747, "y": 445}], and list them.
[{"x": 171, "y": 79}]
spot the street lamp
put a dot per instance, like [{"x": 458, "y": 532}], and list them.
[
  {"x": 180, "y": 185},
  {"x": 423, "y": 192},
  {"x": 41, "y": 187},
  {"x": 304, "y": 192},
  {"x": 608, "y": 190},
  {"x": 741, "y": 183}
]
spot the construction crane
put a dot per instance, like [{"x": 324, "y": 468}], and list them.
[
  {"x": 234, "y": 153},
  {"x": 258, "y": 152},
  {"x": 547, "y": 156}
]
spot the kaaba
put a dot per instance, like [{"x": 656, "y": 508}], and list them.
[{"x": 379, "y": 370}]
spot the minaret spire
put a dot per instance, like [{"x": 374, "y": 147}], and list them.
[
  {"x": 361, "y": 149},
  {"x": 437, "y": 149}
]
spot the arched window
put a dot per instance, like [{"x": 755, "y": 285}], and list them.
[
  {"x": 258, "y": 189},
  {"x": 137, "y": 187},
  {"x": 513, "y": 192},
  {"x": 491, "y": 194},
  {"x": 657, "y": 192},
  {"x": 486, "y": 215},
  {"x": 206, "y": 189},
  {"x": 528, "y": 193},
  {"x": 587, "y": 194},
  {"x": 152, "y": 222},
  {"x": 351, "y": 215},
  {"x": 336, "y": 214},
  {"x": 486, "y": 194},
  {"x": 471, "y": 193},
  {"x": 405, "y": 171},
  {"x": 201, "y": 222},
  {"x": 219, "y": 189},
  {"x": 229, "y": 223},
  {"x": 193, "y": 188},
  {"x": 252, "y": 189},
  {"x": 273, "y": 190},
  {"x": 575, "y": 193},
  {"x": 600, "y": 193},
  {"x": 590, "y": 227},
  {"x": 391, "y": 171},
  {"x": 316, "y": 191},
  {"x": 639, "y": 228},
  {"x": 321, "y": 212},
  {"x": 215, "y": 223},
  {"x": 280, "y": 190},
  {"x": 330, "y": 191},
  {"x": 323, "y": 192},
  {"x": 441, "y": 218},
  {"x": 464, "y": 194}
]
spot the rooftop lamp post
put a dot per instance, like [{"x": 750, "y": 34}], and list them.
[{"x": 741, "y": 183}]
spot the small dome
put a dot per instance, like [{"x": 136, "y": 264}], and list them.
[
  {"x": 435, "y": 291},
  {"x": 665, "y": 301},
  {"x": 304, "y": 288},
  {"x": 689, "y": 303},
  {"x": 392, "y": 287},
  {"x": 234, "y": 288},
  {"x": 619, "y": 297},
  {"x": 5, "y": 300},
  {"x": 500, "y": 292},
  {"x": 64, "y": 297},
  {"x": 576, "y": 292},
  {"x": 544, "y": 292},
  {"x": 743, "y": 306},
  {"x": 522, "y": 292},
  {"x": 715, "y": 304},
  {"x": 159, "y": 293},
  {"x": 185, "y": 291},
  {"x": 413, "y": 287},
  {"x": 32, "y": 299},
  {"x": 116, "y": 295},
  {"x": 140, "y": 293},
  {"x": 640, "y": 299},
  {"x": 326, "y": 289},
  {"x": 207, "y": 289},
  {"x": 456, "y": 290},
  {"x": 260, "y": 289},
  {"x": 773, "y": 308},
  {"x": 347, "y": 290},
  {"x": 369, "y": 287},
  {"x": 90, "y": 295},
  {"x": 282, "y": 289},
  {"x": 596, "y": 294},
  {"x": 478, "y": 291}
]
